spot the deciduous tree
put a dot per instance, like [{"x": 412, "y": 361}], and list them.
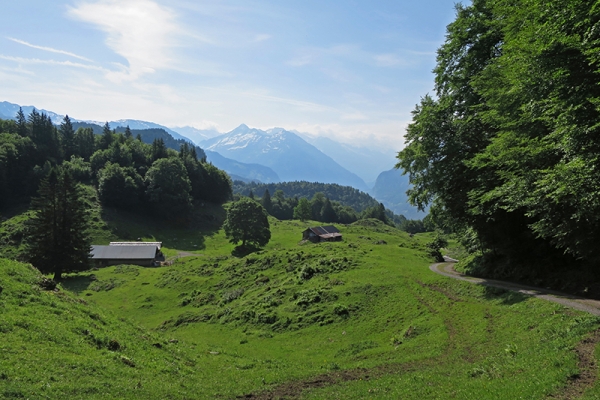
[{"x": 247, "y": 222}]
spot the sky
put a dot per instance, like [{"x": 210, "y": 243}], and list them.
[{"x": 349, "y": 69}]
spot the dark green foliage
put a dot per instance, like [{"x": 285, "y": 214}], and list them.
[
  {"x": 85, "y": 142},
  {"x": 377, "y": 212},
  {"x": 79, "y": 168},
  {"x": 116, "y": 163},
  {"x": 266, "y": 201},
  {"x": 436, "y": 245},
  {"x": 302, "y": 210},
  {"x": 120, "y": 186},
  {"x": 217, "y": 188},
  {"x": 328, "y": 213},
  {"x": 247, "y": 222},
  {"x": 17, "y": 178},
  {"x": 107, "y": 137},
  {"x": 57, "y": 240},
  {"x": 509, "y": 150},
  {"x": 159, "y": 150},
  {"x": 336, "y": 193},
  {"x": 21, "y": 123},
  {"x": 168, "y": 188},
  {"x": 328, "y": 202}
]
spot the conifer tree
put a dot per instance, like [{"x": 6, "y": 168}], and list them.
[
  {"x": 21, "y": 123},
  {"x": 127, "y": 132},
  {"x": 266, "y": 201},
  {"x": 327, "y": 212},
  {"x": 107, "y": 138},
  {"x": 58, "y": 240},
  {"x": 68, "y": 137}
]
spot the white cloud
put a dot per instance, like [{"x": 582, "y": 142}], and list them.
[
  {"x": 141, "y": 31},
  {"x": 383, "y": 135},
  {"x": 389, "y": 60},
  {"x": 19, "y": 70},
  {"x": 49, "y": 49},
  {"x": 22, "y": 60},
  {"x": 261, "y": 37},
  {"x": 355, "y": 116},
  {"x": 300, "y": 60}
]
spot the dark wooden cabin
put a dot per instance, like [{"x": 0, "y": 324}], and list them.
[{"x": 322, "y": 234}]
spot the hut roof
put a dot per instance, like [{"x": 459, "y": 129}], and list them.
[
  {"x": 157, "y": 244},
  {"x": 328, "y": 231},
  {"x": 123, "y": 252},
  {"x": 323, "y": 230}
]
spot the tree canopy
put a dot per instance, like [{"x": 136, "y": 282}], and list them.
[
  {"x": 509, "y": 148},
  {"x": 58, "y": 241},
  {"x": 121, "y": 167},
  {"x": 247, "y": 222}
]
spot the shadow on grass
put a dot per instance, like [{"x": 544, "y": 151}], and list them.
[
  {"x": 243, "y": 251},
  {"x": 187, "y": 234},
  {"x": 506, "y": 296},
  {"x": 77, "y": 283}
]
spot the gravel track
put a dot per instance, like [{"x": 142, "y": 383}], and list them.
[{"x": 567, "y": 300}]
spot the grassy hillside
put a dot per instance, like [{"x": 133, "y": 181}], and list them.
[{"x": 354, "y": 319}]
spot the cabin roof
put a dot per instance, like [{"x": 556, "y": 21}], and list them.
[
  {"x": 327, "y": 231},
  {"x": 157, "y": 244},
  {"x": 123, "y": 252}
]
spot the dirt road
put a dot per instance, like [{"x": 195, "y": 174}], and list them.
[{"x": 567, "y": 300}]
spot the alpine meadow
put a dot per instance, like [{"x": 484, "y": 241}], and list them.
[{"x": 147, "y": 261}]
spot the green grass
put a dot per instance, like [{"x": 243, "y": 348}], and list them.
[{"x": 229, "y": 326}]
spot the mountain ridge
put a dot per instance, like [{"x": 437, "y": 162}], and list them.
[{"x": 290, "y": 156}]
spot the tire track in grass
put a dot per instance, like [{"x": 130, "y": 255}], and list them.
[
  {"x": 575, "y": 387},
  {"x": 294, "y": 389},
  {"x": 585, "y": 350}
]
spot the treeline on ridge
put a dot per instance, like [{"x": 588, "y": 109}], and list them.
[
  {"x": 346, "y": 195},
  {"x": 508, "y": 149},
  {"x": 127, "y": 172},
  {"x": 324, "y": 202}
]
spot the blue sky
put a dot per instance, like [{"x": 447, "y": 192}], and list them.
[{"x": 352, "y": 70}]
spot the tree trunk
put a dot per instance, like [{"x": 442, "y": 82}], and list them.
[{"x": 58, "y": 275}]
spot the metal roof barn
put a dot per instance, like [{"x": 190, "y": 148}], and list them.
[{"x": 123, "y": 254}]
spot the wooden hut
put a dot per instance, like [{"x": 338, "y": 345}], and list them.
[{"x": 322, "y": 234}]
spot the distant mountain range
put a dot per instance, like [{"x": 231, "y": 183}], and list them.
[
  {"x": 10, "y": 110},
  {"x": 290, "y": 156},
  {"x": 247, "y": 172},
  {"x": 364, "y": 162},
  {"x": 275, "y": 155},
  {"x": 390, "y": 189},
  {"x": 137, "y": 124},
  {"x": 195, "y": 134}
]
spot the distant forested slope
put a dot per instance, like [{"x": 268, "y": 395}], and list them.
[
  {"x": 147, "y": 135},
  {"x": 345, "y": 195}
]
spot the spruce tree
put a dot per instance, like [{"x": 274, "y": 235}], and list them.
[
  {"x": 68, "y": 137},
  {"x": 107, "y": 138},
  {"x": 21, "y": 123},
  {"x": 58, "y": 241},
  {"x": 266, "y": 201},
  {"x": 327, "y": 212}
]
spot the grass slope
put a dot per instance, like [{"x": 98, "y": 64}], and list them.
[{"x": 364, "y": 314}]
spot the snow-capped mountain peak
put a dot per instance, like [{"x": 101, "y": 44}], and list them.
[{"x": 286, "y": 153}]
